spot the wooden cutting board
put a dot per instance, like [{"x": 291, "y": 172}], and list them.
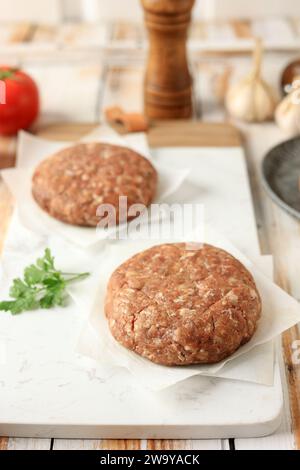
[{"x": 183, "y": 133}]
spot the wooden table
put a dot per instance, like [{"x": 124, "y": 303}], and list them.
[{"x": 77, "y": 87}]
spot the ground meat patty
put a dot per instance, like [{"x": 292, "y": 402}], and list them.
[
  {"x": 71, "y": 184},
  {"x": 176, "y": 306}
]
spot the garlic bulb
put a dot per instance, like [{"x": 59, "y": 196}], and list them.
[
  {"x": 252, "y": 99},
  {"x": 287, "y": 113}
]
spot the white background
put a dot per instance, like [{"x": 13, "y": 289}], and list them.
[{"x": 55, "y": 10}]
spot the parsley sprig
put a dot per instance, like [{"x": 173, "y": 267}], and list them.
[{"x": 43, "y": 287}]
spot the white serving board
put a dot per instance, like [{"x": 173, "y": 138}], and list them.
[{"x": 47, "y": 390}]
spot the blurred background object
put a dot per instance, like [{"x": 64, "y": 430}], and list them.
[
  {"x": 97, "y": 49},
  {"x": 52, "y": 11},
  {"x": 21, "y": 105},
  {"x": 48, "y": 11},
  {"x": 168, "y": 82}
]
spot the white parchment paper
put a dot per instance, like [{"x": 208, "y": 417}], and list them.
[
  {"x": 252, "y": 362},
  {"x": 32, "y": 150}
]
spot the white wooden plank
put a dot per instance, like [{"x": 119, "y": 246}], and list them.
[
  {"x": 281, "y": 237},
  {"x": 69, "y": 91},
  {"x": 28, "y": 444},
  {"x": 76, "y": 444},
  {"x": 211, "y": 444},
  {"x": 101, "y": 444},
  {"x": 206, "y": 74},
  {"x": 283, "y": 438},
  {"x": 203, "y": 444},
  {"x": 270, "y": 29},
  {"x": 253, "y": 9},
  {"x": 124, "y": 87},
  {"x": 78, "y": 35},
  {"x": 81, "y": 444},
  {"x": 31, "y": 10}
]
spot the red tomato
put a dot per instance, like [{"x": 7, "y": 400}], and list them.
[{"x": 21, "y": 106}]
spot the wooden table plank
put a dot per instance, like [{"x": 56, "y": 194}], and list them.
[
  {"x": 6, "y": 206},
  {"x": 242, "y": 29},
  {"x": 7, "y": 151},
  {"x": 283, "y": 438},
  {"x": 103, "y": 444},
  {"x": 124, "y": 88},
  {"x": 26, "y": 39},
  {"x": 69, "y": 91},
  {"x": 29, "y": 444},
  {"x": 127, "y": 33},
  {"x": 279, "y": 235},
  {"x": 209, "y": 444},
  {"x": 21, "y": 33},
  {"x": 3, "y": 443}
]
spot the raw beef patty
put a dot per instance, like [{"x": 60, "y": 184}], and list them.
[
  {"x": 71, "y": 184},
  {"x": 177, "y": 306}
]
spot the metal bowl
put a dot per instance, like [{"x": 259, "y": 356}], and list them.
[{"x": 281, "y": 173}]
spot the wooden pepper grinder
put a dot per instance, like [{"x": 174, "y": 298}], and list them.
[{"x": 168, "y": 83}]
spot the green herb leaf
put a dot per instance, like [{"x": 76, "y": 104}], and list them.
[
  {"x": 43, "y": 287},
  {"x": 7, "y": 73}
]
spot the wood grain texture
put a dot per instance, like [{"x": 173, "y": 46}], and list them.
[
  {"x": 3, "y": 443},
  {"x": 28, "y": 40},
  {"x": 193, "y": 133},
  {"x": 211, "y": 444},
  {"x": 123, "y": 87},
  {"x": 7, "y": 152},
  {"x": 279, "y": 234},
  {"x": 287, "y": 244},
  {"x": 242, "y": 29},
  {"x": 120, "y": 444},
  {"x": 72, "y": 89},
  {"x": 6, "y": 207},
  {"x": 161, "y": 133},
  {"x": 124, "y": 33},
  {"x": 22, "y": 32},
  {"x": 103, "y": 444},
  {"x": 168, "y": 83},
  {"x": 29, "y": 444},
  {"x": 293, "y": 378},
  {"x": 283, "y": 438}
]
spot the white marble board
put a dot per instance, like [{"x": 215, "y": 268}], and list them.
[{"x": 47, "y": 390}]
